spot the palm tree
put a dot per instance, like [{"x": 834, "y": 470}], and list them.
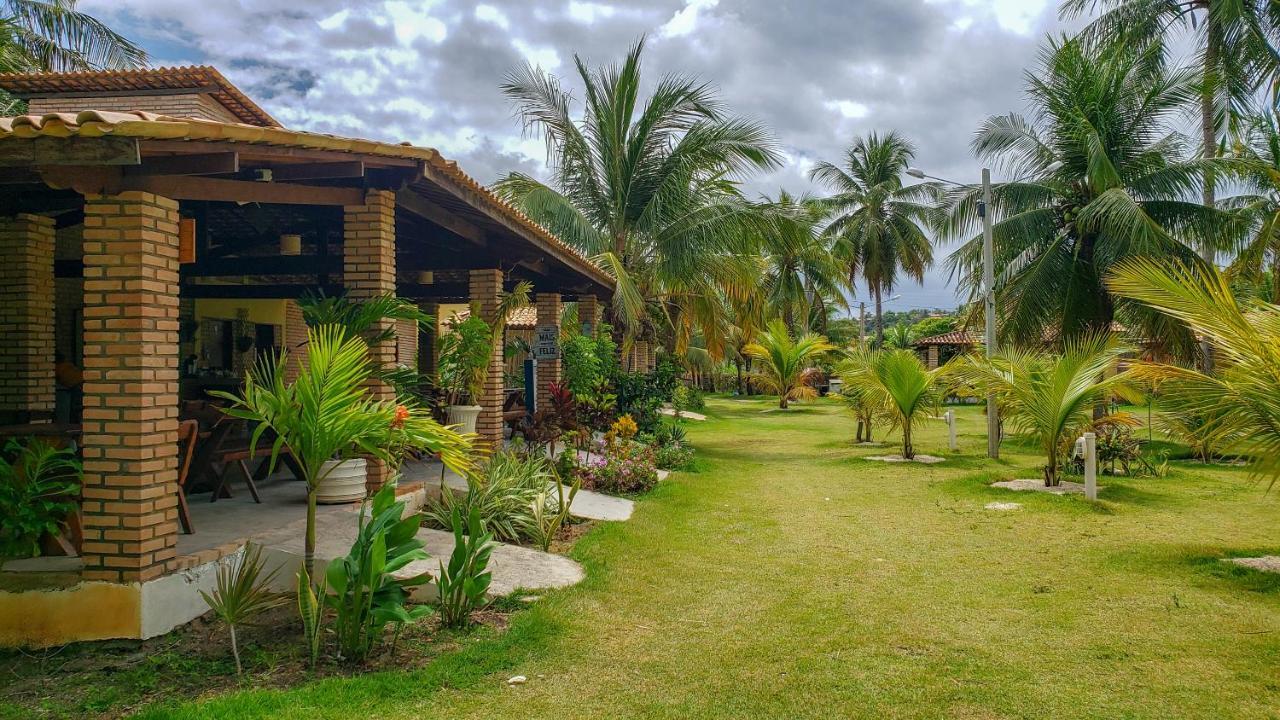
[
  {"x": 786, "y": 363},
  {"x": 1048, "y": 395},
  {"x": 1259, "y": 207},
  {"x": 901, "y": 337},
  {"x": 801, "y": 275},
  {"x": 900, "y": 387},
  {"x": 1235, "y": 43},
  {"x": 877, "y": 224},
  {"x": 647, "y": 188},
  {"x": 327, "y": 414},
  {"x": 1242, "y": 399},
  {"x": 52, "y": 35},
  {"x": 1105, "y": 181}
]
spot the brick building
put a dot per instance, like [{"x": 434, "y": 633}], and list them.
[{"x": 156, "y": 229}]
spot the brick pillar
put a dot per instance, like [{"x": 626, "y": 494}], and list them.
[
  {"x": 640, "y": 356},
  {"x": 589, "y": 314},
  {"x": 932, "y": 356},
  {"x": 486, "y": 292},
  {"x": 26, "y": 316},
  {"x": 650, "y": 356},
  {"x": 369, "y": 270},
  {"x": 548, "y": 370},
  {"x": 130, "y": 386}
]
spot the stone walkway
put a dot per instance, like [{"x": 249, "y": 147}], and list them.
[
  {"x": 587, "y": 505},
  {"x": 1064, "y": 487}
]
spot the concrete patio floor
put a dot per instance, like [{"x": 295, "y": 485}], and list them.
[{"x": 278, "y": 524}]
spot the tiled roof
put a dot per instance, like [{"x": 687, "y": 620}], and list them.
[
  {"x": 148, "y": 126},
  {"x": 521, "y": 317},
  {"x": 197, "y": 78},
  {"x": 955, "y": 337}
]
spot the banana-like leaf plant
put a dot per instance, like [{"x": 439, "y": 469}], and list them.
[{"x": 462, "y": 583}]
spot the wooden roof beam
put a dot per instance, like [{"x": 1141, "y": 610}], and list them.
[{"x": 427, "y": 210}]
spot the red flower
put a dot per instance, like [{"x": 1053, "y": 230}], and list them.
[{"x": 402, "y": 415}]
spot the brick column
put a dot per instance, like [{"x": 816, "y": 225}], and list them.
[
  {"x": 932, "y": 356},
  {"x": 589, "y": 314},
  {"x": 369, "y": 270},
  {"x": 295, "y": 340},
  {"x": 640, "y": 356},
  {"x": 130, "y": 386},
  {"x": 650, "y": 356},
  {"x": 548, "y": 370},
  {"x": 26, "y": 315},
  {"x": 486, "y": 292}
]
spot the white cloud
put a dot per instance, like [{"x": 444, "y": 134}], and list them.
[
  {"x": 589, "y": 12},
  {"x": 686, "y": 19},
  {"x": 491, "y": 14},
  {"x": 849, "y": 108}
]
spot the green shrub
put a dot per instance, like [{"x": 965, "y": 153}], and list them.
[
  {"x": 620, "y": 466},
  {"x": 503, "y": 492},
  {"x": 463, "y": 583},
  {"x": 673, "y": 456},
  {"x": 39, "y": 485},
  {"x": 362, "y": 590}
]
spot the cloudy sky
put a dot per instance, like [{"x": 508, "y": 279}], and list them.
[{"x": 818, "y": 72}]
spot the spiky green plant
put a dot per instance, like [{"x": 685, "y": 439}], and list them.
[
  {"x": 900, "y": 387},
  {"x": 783, "y": 364},
  {"x": 464, "y": 582},
  {"x": 1050, "y": 396},
  {"x": 1243, "y": 397},
  {"x": 241, "y": 592}
]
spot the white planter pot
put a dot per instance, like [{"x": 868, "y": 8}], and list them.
[
  {"x": 464, "y": 416},
  {"x": 344, "y": 482}
]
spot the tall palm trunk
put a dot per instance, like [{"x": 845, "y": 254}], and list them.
[
  {"x": 879, "y": 319},
  {"x": 1209, "y": 136}
]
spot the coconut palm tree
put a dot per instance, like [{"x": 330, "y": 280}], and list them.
[
  {"x": 878, "y": 226},
  {"x": 1242, "y": 398},
  {"x": 1259, "y": 206},
  {"x": 1105, "y": 180},
  {"x": 647, "y": 188},
  {"x": 801, "y": 275},
  {"x": 900, "y": 387},
  {"x": 1050, "y": 396},
  {"x": 1235, "y": 44},
  {"x": 785, "y": 364},
  {"x": 901, "y": 337},
  {"x": 53, "y": 35}
]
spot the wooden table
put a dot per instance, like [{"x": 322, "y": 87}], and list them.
[{"x": 45, "y": 431}]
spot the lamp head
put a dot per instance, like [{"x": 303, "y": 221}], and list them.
[{"x": 916, "y": 173}]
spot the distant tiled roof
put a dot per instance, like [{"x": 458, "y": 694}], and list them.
[
  {"x": 148, "y": 126},
  {"x": 521, "y": 317},
  {"x": 955, "y": 337},
  {"x": 197, "y": 78}
]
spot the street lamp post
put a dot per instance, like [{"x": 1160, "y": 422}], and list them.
[
  {"x": 989, "y": 308},
  {"x": 988, "y": 287}
]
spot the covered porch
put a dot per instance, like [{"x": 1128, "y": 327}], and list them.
[{"x": 160, "y": 256}]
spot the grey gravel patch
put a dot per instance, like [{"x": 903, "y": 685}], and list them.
[
  {"x": 1003, "y": 506},
  {"x": 1266, "y": 563},
  {"x": 1064, "y": 487},
  {"x": 923, "y": 459}
]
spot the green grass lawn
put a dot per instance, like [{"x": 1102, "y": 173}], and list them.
[{"x": 792, "y": 578}]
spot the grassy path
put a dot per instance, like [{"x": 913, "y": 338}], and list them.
[{"x": 791, "y": 578}]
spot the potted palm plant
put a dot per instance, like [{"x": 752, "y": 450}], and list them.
[{"x": 462, "y": 362}]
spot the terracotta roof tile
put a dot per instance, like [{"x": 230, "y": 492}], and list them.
[
  {"x": 955, "y": 337},
  {"x": 197, "y": 78}
]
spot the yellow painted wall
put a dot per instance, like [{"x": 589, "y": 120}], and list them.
[{"x": 43, "y": 618}]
